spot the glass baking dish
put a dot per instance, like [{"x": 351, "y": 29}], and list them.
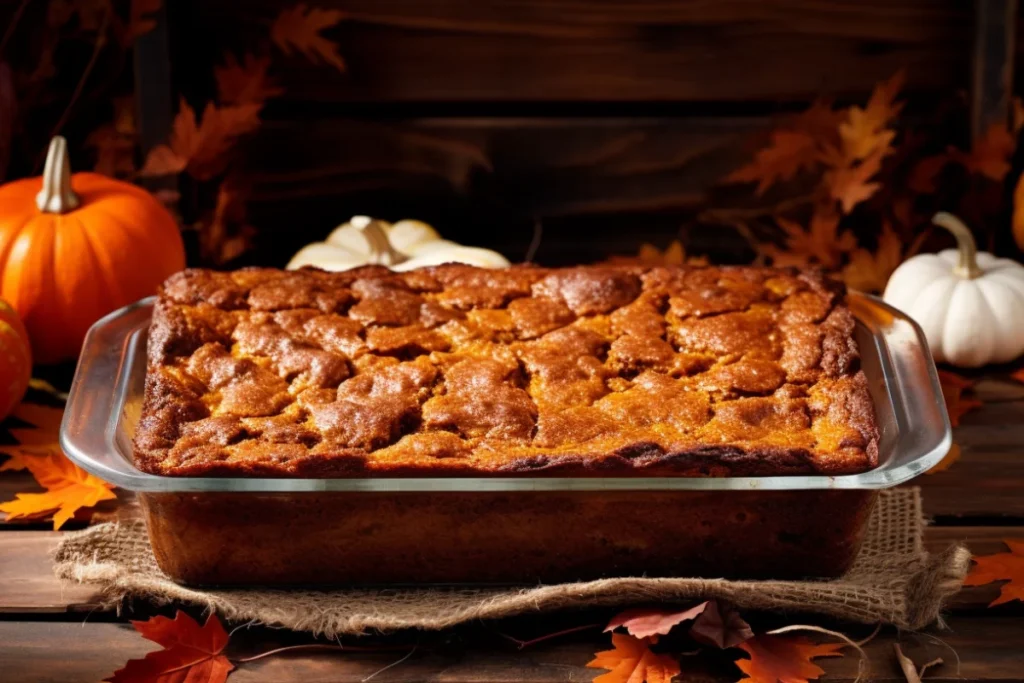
[{"x": 245, "y": 531}]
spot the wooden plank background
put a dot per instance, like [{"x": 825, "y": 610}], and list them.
[{"x": 608, "y": 122}]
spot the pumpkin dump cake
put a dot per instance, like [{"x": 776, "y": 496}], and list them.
[{"x": 461, "y": 371}]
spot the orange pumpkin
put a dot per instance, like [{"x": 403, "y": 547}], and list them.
[
  {"x": 15, "y": 360},
  {"x": 74, "y": 248}
]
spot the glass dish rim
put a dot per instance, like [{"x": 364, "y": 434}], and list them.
[{"x": 122, "y": 473}]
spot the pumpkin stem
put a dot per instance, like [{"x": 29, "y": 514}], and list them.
[
  {"x": 56, "y": 195},
  {"x": 967, "y": 266},
  {"x": 381, "y": 250}
]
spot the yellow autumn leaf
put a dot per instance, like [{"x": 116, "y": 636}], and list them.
[
  {"x": 68, "y": 488},
  {"x": 869, "y": 271}
]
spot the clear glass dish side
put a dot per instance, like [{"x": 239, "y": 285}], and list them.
[{"x": 105, "y": 403}]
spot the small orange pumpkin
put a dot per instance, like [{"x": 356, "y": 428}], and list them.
[
  {"x": 74, "y": 248},
  {"x": 15, "y": 360}
]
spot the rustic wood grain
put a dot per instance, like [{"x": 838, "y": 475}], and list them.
[
  {"x": 989, "y": 650},
  {"x": 541, "y": 50},
  {"x": 27, "y": 583},
  {"x": 989, "y": 479},
  {"x": 485, "y": 180}
]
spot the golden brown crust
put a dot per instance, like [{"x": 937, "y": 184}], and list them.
[{"x": 456, "y": 370}]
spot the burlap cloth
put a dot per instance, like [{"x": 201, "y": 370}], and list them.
[{"x": 893, "y": 580}]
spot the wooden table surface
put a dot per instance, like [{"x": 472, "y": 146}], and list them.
[{"x": 50, "y": 632}]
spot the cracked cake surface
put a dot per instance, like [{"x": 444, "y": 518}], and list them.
[{"x": 460, "y": 371}]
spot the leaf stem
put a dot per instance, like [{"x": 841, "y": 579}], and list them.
[
  {"x": 101, "y": 40},
  {"x": 523, "y": 644},
  {"x": 321, "y": 646},
  {"x": 15, "y": 18}
]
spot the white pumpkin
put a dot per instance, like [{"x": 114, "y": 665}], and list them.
[
  {"x": 403, "y": 246},
  {"x": 970, "y": 305}
]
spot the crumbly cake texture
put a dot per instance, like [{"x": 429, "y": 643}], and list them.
[{"x": 455, "y": 370}]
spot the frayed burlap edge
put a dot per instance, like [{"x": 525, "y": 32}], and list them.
[{"x": 892, "y": 581}]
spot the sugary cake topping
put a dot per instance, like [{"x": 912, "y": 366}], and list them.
[{"x": 611, "y": 371}]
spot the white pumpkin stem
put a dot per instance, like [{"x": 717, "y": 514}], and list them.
[
  {"x": 381, "y": 250},
  {"x": 56, "y": 195},
  {"x": 967, "y": 266}
]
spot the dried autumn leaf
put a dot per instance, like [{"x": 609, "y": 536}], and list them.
[
  {"x": 783, "y": 658},
  {"x": 631, "y": 661},
  {"x": 225, "y": 235},
  {"x": 788, "y": 152},
  {"x": 869, "y": 272},
  {"x": 298, "y": 28},
  {"x": 1018, "y": 374},
  {"x": 990, "y": 155},
  {"x": 68, "y": 488},
  {"x": 953, "y": 388},
  {"x": 821, "y": 243},
  {"x": 820, "y": 121},
  {"x": 191, "y": 653},
  {"x": 951, "y": 458},
  {"x": 849, "y": 185},
  {"x": 650, "y": 255},
  {"x": 865, "y": 132},
  {"x": 246, "y": 82},
  {"x": 721, "y": 625},
  {"x": 1001, "y": 567},
  {"x": 42, "y": 436},
  {"x": 201, "y": 149},
  {"x": 644, "y": 622}
]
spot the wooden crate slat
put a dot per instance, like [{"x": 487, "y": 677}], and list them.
[{"x": 536, "y": 50}]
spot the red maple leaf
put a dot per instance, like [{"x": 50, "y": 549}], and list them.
[{"x": 191, "y": 653}]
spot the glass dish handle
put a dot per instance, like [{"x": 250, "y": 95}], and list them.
[{"x": 88, "y": 431}]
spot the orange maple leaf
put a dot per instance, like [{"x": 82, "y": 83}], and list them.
[
  {"x": 820, "y": 121},
  {"x": 650, "y": 255},
  {"x": 821, "y": 243},
  {"x": 990, "y": 155},
  {"x": 865, "y": 131},
  {"x": 869, "y": 272},
  {"x": 631, "y": 661},
  {"x": 953, "y": 388},
  {"x": 41, "y": 436},
  {"x": 202, "y": 149},
  {"x": 1018, "y": 374},
  {"x": 951, "y": 458},
  {"x": 783, "y": 658},
  {"x": 68, "y": 488},
  {"x": 787, "y": 153},
  {"x": 849, "y": 184},
  {"x": 190, "y": 652},
  {"x": 644, "y": 622},
  {"x": 1001, "y": 567},
  {"x": 246, "y": 82},
  {"x": 299, "y": 28}
]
